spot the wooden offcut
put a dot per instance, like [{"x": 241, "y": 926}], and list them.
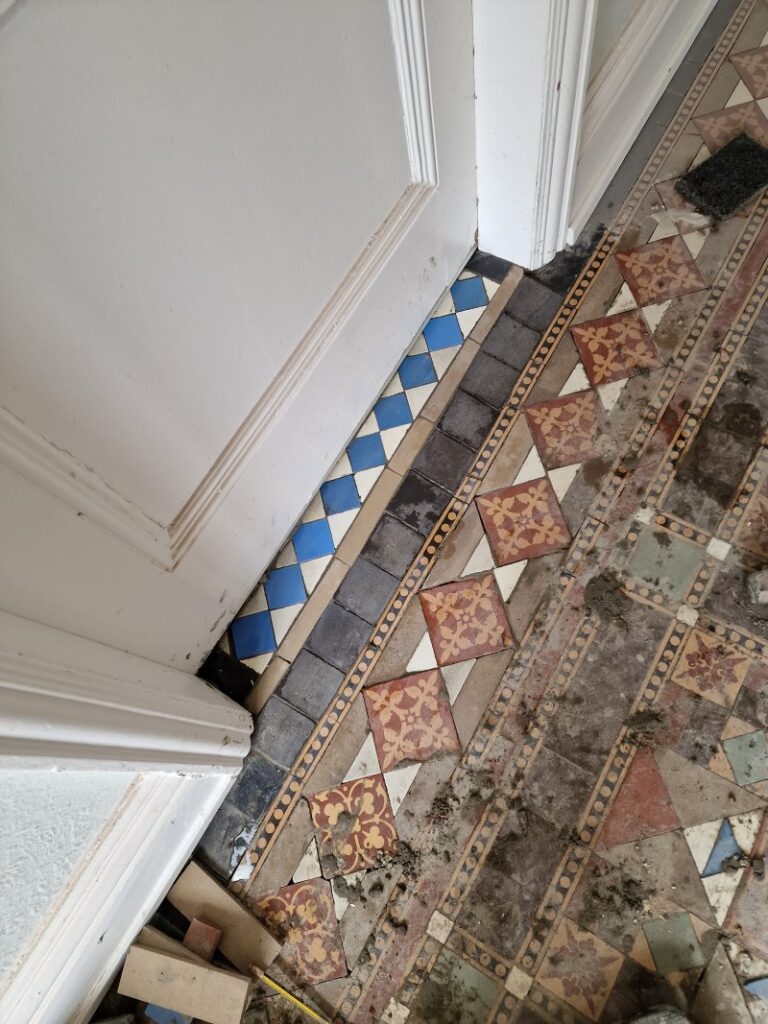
[
  {"x": 176, "y": 983},
  {"x": 153, "y": 938},
  {"x": 244, "y": 940}
]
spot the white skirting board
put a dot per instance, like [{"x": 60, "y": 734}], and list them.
[
  {"x": 79, "y": 948},
  {"x": 74, "y": 707},
  {"x": 625, "y": 91}
]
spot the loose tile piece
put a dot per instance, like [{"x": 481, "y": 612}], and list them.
[
  {"x": 302, "y": 916},
  {"x": 354, "y": 825},
  {"x": 411, "y": 719}
]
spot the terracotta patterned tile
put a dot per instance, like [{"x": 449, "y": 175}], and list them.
[
  {"x": 642, "y": 808},
  {"x": 711, "y": 668},
  {"x": 411, "y": 719},
  {"x": 752, "y": 65},
  {"x": 354, "y": 826},
  {"x": 615, "y": 347},
  {"x": 721, "y": 126},
  {"x": 565, "y": 429},
  {"x": 523, "y": 521},
  {"x": 753, "y": 531},
  {"x": 580, "y": 969},
  {"x": 302, "y": 916},
  {"x": 466, "y": 619},
  {"x": 660, "y": 270}
]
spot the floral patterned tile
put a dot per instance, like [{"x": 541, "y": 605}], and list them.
[
  {"x": 354, "y": 826},
  {"x": 523, "y": 521},
  {"x": 466, "y": 619},
  {"x": 721, "y": 126},
  {"x": 411, "y": 719},
  {"x": 660, "y": 270},
  {"x": 580, "y": 969},
  {"x": 565, "y": 429},
  {"x": 302, "y": 916},
  {"x": 752, "y": 66},
  {"x": 615, "y": 347},
  {"x": 711, "y": 668}
]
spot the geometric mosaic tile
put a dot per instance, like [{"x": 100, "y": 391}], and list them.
[
  {"x": 615, "y": 347},
  {"x": 660, "y": 270},
  {"x": 565, "y": 428},
  {"x": 580, "y": 968},
  {"x": 752, "y": 66},
  {"x": 466, "y": 619},
  {"x": 354, "y": 826},
  {"x": 711, "y": 668},
  {"x": 523, "y": 521},
  {"x": 284, "y": 589},
  {"x": 303, "y": 918},
  {"x": 411, "y": 719}
]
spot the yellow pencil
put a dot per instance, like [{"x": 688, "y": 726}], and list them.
[{"x": 287, "y": 995}]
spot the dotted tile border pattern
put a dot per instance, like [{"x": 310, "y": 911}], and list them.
[{"x": 294, "y": 782}]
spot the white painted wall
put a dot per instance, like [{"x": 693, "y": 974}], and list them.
[
  {"x": 213, "y": 217},
  {"x": 638, "y": 45},
  {"x": 51, "y": 819},
  {"x": 611, "y": 19}
]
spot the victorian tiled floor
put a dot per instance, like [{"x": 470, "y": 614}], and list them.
[{"x": 513, "y": 767}]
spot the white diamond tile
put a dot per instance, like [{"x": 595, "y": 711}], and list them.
[
  {"x": 481, "y": 559},
  {"x": 339, "y": 523},
  {"x": 507, "y": 577},
  {"x": 398, "y": 782},
  {"x": 366, "y": 762},
  {"x": 423, "y": 657},
  {"x": 283, "y": 619},
  {"x": 455, "y": 676},
  {"x": 313, "y": 570},
  {"x": 309, "y": 865}
]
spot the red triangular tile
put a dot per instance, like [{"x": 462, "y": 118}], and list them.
[{"x": 642, "y": 808}]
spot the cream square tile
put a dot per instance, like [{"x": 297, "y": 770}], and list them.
[
  {"x": 718, "y": 548},
  {"x": 518, "y": 983},
  {"x": 687, "y": 615},
  {"x": 439, "y": 927}
]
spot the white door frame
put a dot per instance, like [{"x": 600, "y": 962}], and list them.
[
  {"x": 548, "y": 141},
  {"x": 71, "y": 705}
]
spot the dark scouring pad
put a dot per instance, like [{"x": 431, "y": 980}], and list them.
[{"x": 726, "y": 180}]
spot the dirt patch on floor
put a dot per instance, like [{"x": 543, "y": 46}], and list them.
[{"x": 604, "y": 598}]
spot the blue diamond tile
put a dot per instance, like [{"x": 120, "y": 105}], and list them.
[
  {"x": 443, "y": 332},
  {"x": 339, "y": 495},
  {"x": 468, "y": 294},
  {"x": 392, "y": 411},
  {"x": 313, "y": 540},
  {"x": 758, "y": 987},
  {"x": 284, "y": 587},
  {"x": 417, "y": 370},
  {"x": 366, "y": 452},
  {"x": 252, "y": 635},
  {"x": 725, "y": 846}
]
